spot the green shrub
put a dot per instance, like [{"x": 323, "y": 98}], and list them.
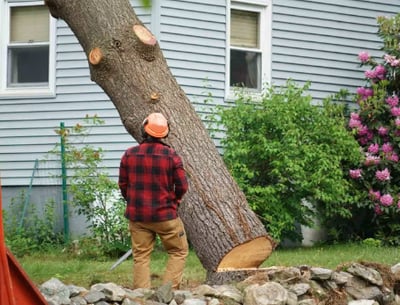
[
  {"x": 288, "y": 156},
  {"x": 94, "y": 194},
  {"x": 26, "y": 229}
]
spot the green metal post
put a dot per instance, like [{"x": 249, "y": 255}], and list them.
[{"x": 64, "y": 184}]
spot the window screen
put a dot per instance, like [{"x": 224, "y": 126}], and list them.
[
  {"x": 28, "y": 49},
  {"x": 245, "y": 64}
]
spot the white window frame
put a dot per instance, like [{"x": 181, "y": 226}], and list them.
[
  {"x": 33, "y": 91},
  {"x": 264, "y": 9}
]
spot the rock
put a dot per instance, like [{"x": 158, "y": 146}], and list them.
[
  {"x": 111, "y": 291},
  {"x": 395, "y": 268},
  {"x": 55, "y": 292},
  {"x": 363, "y": 302},
  {"x": 320, "y": 273},
  {"x": 341, "y": 278},
  {"x": 369, "y": 274},
  {"x": 287, "y": 274},
  {"x": 270, "y": 293},
  {"x": 230, "y": 292},
  {"x": 300, "y": 289},
  {"x": 94, "y": 296},
  {"x": 194, "y": 302},
  {"x": 78, "y": 300},
  {"x": 358, "y": 288},
  {"x": 164, "y": 293},
  {"x": 206, "y": 290}
]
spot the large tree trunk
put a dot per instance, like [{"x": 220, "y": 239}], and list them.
[{"x": 126, "y": 61}]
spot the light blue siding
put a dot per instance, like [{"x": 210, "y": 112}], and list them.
[
  {"x": 193, "y": 40},
  {"x": 319, "y": 41},
  {"x": 312, "y": 40}
]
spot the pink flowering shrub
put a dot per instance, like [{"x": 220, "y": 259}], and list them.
[{"x": 376, "y": 126}]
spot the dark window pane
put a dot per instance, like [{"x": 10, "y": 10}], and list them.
[
  {"x": 28, "y": 65},
  {"x": 245, "y": 69}
]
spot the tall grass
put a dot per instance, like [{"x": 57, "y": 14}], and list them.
[{"x": 84, "y": 272}]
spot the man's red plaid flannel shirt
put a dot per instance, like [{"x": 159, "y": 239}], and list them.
[{"x": 152, "y": 179}]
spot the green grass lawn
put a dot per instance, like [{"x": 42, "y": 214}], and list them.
[{"x": 84, "y": 272}]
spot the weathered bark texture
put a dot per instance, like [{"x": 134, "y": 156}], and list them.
[{"x": 126, "y": 61}]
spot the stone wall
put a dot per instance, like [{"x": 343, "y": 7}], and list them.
[{"x": 359, "y": 283}]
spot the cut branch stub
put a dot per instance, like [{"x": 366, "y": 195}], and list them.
[
  {"x": 146, "y": 42},
  {"x": 95, "y": 56}
]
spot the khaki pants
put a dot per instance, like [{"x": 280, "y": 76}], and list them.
[{"x": 173, "y": 238}]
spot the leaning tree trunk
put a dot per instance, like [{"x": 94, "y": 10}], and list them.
[{"x": 126, "y": 61}]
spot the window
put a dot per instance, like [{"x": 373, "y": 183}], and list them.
[
  {"x": 249, "y": 37},
  {"x": 27, "y": 50}
]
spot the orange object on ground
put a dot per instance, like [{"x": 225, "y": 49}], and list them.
[{"x": 15, "y": 286}]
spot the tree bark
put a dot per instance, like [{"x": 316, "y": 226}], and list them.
[{"x": 125, "y": 60}]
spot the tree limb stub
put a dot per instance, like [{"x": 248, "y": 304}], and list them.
[
  {"x": 147, "y": 42},
  {"x": 95, "y": 56}
]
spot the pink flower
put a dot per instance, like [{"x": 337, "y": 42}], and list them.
[
  {"x": 397, "y": 122},
  {"x": 360, "y": 91},
  {"x": 393, "y": 157},
  {"x": 355, "y": 116},
  {"x": 380, "y": 72},
  {"x": 363, "y": 56},
  {"x": 363, "y": 131},
  {"x": 369, "y": 135},
  {"x": 364, "y": 93},
  {"x": 383, "y": 131},
  {"x": 386, "y": 200},
  {"x": 391, "y": 60},
  {"x": 398, "y": 204},
  {"x": 372, "y": 160},
  {"x": 378, "y": 210},
  {"x": 363, "y": 141},
  {"x": 371, "y": 74},
  {"x": 368, "y": 92},
  {"x": 354, "y": 123},
  {"x": 395, "y": 111},
  {"x": 373, "y": 148},
  {"x": 374, "y": 195},
  {"x": 392, "y": 100},
  {"x": 387, "y": 148},
  {"x": 383, "y": 175},
  {"x": 355, "y": 173}
]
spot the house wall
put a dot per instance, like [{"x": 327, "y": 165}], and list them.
[
  {"x": 312, "y": 40},
  {"x": 193, "y": 41},
  {"x": 192, "y": 36},
  {"x": 319, "y": 41}
]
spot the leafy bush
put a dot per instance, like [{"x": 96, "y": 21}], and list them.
[
  {"x": 26, "y": 232},
  {"x": 93, "y": 192},
  {"x": 376, "y": 126},
  {"x": 288, "y": 156}
]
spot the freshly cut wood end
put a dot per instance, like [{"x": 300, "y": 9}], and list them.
[
  {"x": 144, "y": 35},
  {"x": 95, "y": 56},
  {"x": 248, "y": 255}
]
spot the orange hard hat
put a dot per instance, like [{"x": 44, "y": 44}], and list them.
[{"x": 156, "y": 125}]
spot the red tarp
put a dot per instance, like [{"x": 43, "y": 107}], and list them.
[{"x": 15, "y": 286}]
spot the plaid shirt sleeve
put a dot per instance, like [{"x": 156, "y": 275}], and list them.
[
  {"x": 180, "y": 181},
  {"x": 123, "y": 177}
]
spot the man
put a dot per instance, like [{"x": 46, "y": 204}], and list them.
[{"x": 153, "y": 181}]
